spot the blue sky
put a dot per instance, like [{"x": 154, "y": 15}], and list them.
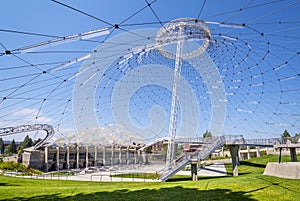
[{"x": 255, "y": 45}]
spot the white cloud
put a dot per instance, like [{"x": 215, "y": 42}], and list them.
[
  {"x": 25, "y": 111},
  {"x": 29, "y": 114}
]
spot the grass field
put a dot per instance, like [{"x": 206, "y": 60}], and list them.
[{"x": 250, "y": 185}]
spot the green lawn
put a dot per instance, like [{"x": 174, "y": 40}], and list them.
[{"x": 250, "y": 185}]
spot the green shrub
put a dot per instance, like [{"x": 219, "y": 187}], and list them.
[
  {"x": 263, "y": 152},
  {"x": 18, "y": 167},
  {"x": 10, "y": 165}
]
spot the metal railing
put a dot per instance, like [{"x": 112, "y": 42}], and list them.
[
  {"x": 96, "y": 177},
  {"x": 170, "y": 171},
  {"x": 209, "y": 144},
  {"x": 271, "y": 141}
]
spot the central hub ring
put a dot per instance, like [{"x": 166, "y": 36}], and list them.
[{"x": 188, "y": 29}]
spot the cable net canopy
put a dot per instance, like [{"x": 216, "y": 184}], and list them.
[
  {"x": 132, "y": 86},
  {"x": 239, "y": 75}
]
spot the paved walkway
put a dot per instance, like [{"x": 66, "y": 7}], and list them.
[
  {"x": 95, "y": 177},
  {"x": 108, "y": 175},
  {"x": 216, "y": 169}
]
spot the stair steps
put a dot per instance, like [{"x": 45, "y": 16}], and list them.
[{"x": 210, "y": 144}]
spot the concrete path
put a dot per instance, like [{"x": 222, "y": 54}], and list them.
[
  {"x": 95, "y": 177},
  {"x": 108, "y": 176},
  {"x": 214, "y": 170}
]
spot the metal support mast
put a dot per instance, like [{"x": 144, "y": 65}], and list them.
[{"x": 175, "y": 95}]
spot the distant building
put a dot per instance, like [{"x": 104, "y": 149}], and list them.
[{"x": 58, "y": 158}]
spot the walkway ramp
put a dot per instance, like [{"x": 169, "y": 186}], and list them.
[
  {"x": 210, "y": 145},
  {"x": 169, "y": 171},
  {"x": 207, "y": 148}
]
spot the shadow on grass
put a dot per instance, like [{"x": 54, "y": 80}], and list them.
[
  {"x": 276, "y": 183},
  {"x": 174, "y": 193},
  {"x": 188, "y": 178},
  {"x": 252, "y": 164},
  {"x": 240, "y": 173},
  {"x": 6, "y": 184},
  {"x": 213, "y": 170}
]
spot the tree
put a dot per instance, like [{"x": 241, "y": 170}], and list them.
[
  {"x": 1, "y": 146},
  {"x": 27, "y": 142},
  {"x": 13, "y": 147},
  {"x": 148, "y": 150},
  {"x": 7, "y": 150},
  {"x": 207, "y": 134},
  {"x": 296, "y": 138},
  {"x": 285, "y": 134},
  {"x": 36, "y": 141}
]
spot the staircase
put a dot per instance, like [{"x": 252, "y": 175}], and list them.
[
  {"x": 177, "y": 165},
  {"x": 211, "y": 144},
  {"x": 208, "y": 146}
]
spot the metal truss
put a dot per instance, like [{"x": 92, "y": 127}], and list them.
[{"x": 28, "y": 128}]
